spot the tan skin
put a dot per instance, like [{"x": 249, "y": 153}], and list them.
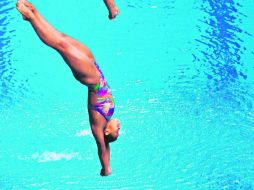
[
  {"x": 112, "y": 8},
  {"x": 81, "y": 62}
]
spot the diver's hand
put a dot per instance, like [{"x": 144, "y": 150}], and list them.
[{"x": 106, "y": 172}]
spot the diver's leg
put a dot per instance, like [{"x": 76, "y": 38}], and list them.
[
  {"x": 76, "y": 55},
  {"x": 47, "y": 25}
]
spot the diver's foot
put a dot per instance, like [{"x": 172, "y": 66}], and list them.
[
  {"x": 26, "y": 9},
  {"x": 113, "y": 12},
  {"x": 30, "y": 6}
]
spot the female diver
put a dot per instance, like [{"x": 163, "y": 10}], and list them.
[{"x": 85, "y": 69}]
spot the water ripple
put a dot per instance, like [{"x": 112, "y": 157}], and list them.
[
  {"x": 6, "y": 70},
  {"x": 12, "y": 86},
  {"x": 221, "y": 47},
  {"x": 222, "y": 43}
]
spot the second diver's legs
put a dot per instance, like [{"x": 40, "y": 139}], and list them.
[
  {"x": 112, "y": 8},
  {"x": 76, "y": 55}
]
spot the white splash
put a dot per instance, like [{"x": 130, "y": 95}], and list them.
[
  {"x": 83, "y": 133},
  {"x": 53, "y": 156}
]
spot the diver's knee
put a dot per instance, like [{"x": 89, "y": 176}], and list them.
[{"x": 62, "y": 42}]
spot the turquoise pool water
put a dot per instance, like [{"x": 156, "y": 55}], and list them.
[{"x": 182, "y": 75}]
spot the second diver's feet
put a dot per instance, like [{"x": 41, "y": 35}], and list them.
[
  {"x": 113, "y": 12},
  {"x": 26, "y": 9}
]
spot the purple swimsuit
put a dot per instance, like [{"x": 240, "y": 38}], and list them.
[{"x": 105, "y": 103}]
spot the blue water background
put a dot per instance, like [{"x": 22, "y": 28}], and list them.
[{"x": 182, "y": 75}]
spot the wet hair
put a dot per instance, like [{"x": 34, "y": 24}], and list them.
[{"x": 109, "y": 138}]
